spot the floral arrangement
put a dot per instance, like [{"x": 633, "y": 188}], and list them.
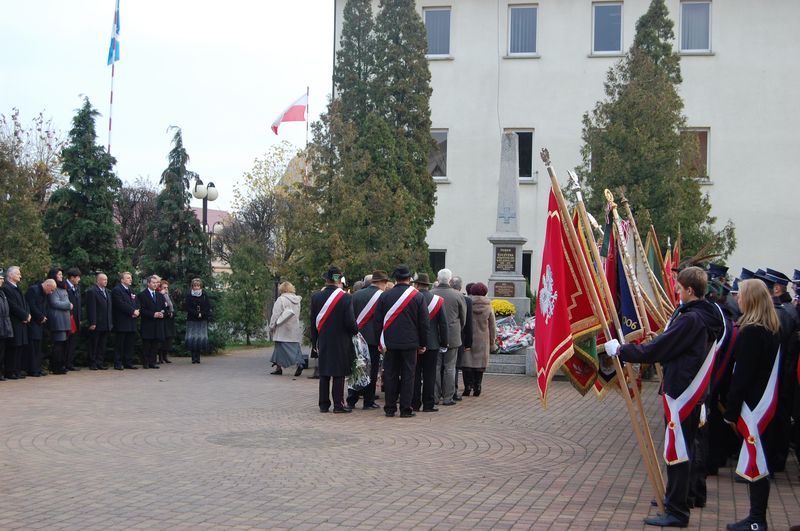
[{"x": 503, "y": 308}]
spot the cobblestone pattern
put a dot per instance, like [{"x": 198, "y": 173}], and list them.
[{"x": 225, "y": 445}]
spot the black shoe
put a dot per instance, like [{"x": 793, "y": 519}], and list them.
[
  {"x": 166, "y": 360},
  {"x": 312, "y": 377},
  {"x": 74, "y": 369},
  {"x": 102, "y": 368},
  {"x": 457, "y": 398},
  {"x": 477, "y": 392},
  {"x": 92, "y": 368},
  {"x": 371, "y": 406},
  {"x": 154, "y": 366},
  {"x": 389, "y": 413},
  {"x": 35, "y": 375},
  {"x": 747, "y": 525},
  {"x": 467, "y": 391},
  {"x": 430, "y": 409},
  {"x": 407, "y": 414},
  {"x": 323, "y": 410},
  {"x": 2, "y": 378},
  {"x": 12, "y": 377},
  {"x": 666, "y": 520},
  {"x": 131, "y": 367},
  {"x": 448, "y": 403},
  {"x": 342, "y": 410},
  {"x": 277, "y": 371},
  {"x": 299, "y": 371},
  {"x": 117, "y": 367}
]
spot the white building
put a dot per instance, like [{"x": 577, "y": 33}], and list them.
[{"x": 536, "y": 67}]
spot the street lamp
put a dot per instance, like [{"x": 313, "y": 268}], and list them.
[{"x": 206, "y": 192}]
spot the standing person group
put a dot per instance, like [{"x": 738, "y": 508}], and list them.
[{"x": 53, "y": 310}]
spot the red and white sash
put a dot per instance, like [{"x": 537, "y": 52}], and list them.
[
  {"x": 396, "y": 309},
  {"x": 434, "y": 306},
  {"x": 752, "y": 464},
  {"x": 328, "y": 307},
  {"x": 366, "y": 314},
  {"x": 677, "y": 409}
]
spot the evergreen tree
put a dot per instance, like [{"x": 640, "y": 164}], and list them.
[
  {"x": 80, "y": 216},
  {"x": 355, "y": 61},
  {"x": 249, "y": 290},
  {"x": 633, "y": 140},
  {"x": 175, "y": 246}
]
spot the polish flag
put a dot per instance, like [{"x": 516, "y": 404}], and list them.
[{"x": 296, "y": 112}]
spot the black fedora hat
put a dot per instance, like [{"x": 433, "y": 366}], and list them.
[
  {"x": 401, "y": 272},
  {"x": 333, "y": 274},
  {"x": 422, "y": 279},
  {"x": 378, "y": 275}
]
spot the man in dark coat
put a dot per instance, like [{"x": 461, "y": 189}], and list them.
[
  {"x": 403, "y": 315},
  {"x": 98, "y": 313},
  {"x": 74, "y": 292},
  {"x": 6, "y": 332},
  {"x": 36, "y": 297},
  {"x": 125, "y": 310},
  {"x": 333, "y": 326},
  {"x": 20, "y": 318},
  {"x": 455, "y": 308},
  {"x": 425, "y": 373},
  {"x": 153, "y": 307},
  {"x": 365, "y": 301},
  {"x": 682, "y": 349}
]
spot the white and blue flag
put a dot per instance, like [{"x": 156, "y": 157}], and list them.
[{"x": 113, "y": 50}]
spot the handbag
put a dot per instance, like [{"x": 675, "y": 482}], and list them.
[{"x": 73, "y": 328}]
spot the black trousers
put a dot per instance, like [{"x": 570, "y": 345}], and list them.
[
  {"x": 699, "y": 470},
  {"x": 369, "y": 392},
  {"x": 2, "y": 356},
  {"x": 678, "y": 476},
  {"x": 13, "y": 357},
  {"x": 35, "y": 356},
  {"x": 97, "y": 348},
  {"x": 424, "y": 380},
  {"x": 398, "y": 370},
  {"x": 123, "y": 348},
  {"x": 58, "y": 357},
  {"x": 149, "y": 351},
  {"x": 72, "y": 343},
  {"x": 325, "y": 391}
]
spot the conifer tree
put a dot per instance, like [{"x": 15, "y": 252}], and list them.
[
  {"x": 249, "y": 288},
  {"x": 633, "y": 140},
  {"x": 355, "y": 61},
  {"x": 80, "y": 216},
  {"x": 175, "y": 247}
]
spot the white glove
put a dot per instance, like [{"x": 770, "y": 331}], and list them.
[
  {"x": 442, "y": 349},
  {"x": 612, "y": 347}
]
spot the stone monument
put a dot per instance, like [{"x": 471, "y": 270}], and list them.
[{"x": 507, "y": 281}]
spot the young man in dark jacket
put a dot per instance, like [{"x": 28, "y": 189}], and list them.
[
  {"x": 404, "y": 334},
  {"x": 686, "y": 351}
]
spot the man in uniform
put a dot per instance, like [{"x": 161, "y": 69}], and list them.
[
  {"x": 98, "y": 313},
  {"x": 425, "y": 373},
  {"x": 365, "y": 300},
  {"x": 684, "y": 350},
  {"x": 404, "y": 334},
  {"x": 333, "y": 326},
  {"x": 125, "y": 310}
]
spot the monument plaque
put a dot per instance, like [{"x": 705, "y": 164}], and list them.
[
  {"x": 505, "y": 258},
  {"x": 504, "y": 289}
]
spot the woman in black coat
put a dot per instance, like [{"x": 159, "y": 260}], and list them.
[
  {"x": 198, "y": 311},
  {"x": 754, "y": 383}
]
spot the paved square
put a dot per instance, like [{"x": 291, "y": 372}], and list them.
[{"x": 225, "y": 445}]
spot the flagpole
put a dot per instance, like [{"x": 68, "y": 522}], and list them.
[
  {"x": 652, "y": 458},
  {"x": 599, "y": 313}
]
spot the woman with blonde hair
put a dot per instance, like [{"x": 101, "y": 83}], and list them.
[
  {"x": 198, "y": 312},
  {"x": 753, "y": 395},
  {"x": 285, "y": 330}
]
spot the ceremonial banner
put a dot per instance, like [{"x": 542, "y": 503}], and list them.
[{"x": 113, "y": 49}]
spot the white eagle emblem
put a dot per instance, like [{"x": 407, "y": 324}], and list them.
[{"x": 547, "y": 296}]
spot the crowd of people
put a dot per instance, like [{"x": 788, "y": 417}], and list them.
[
  {"x": 50, "y": 316},
  {"x": 730, "y": 376}
]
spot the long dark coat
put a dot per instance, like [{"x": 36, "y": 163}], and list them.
[
  {"x": 5, "y": 318},
  {"x": 37, "y": 302},
  {"x": 123, "y": 303},
  {"x": 335, "y": 340},
  {"x": 152, "y": 328},
  {"x": 76, "y": 299},
  {"x": 98, "y": 309},
  {"x": 18, "y": 307}
]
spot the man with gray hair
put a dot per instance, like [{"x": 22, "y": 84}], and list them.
[
  {"x": 20, "y": 318},
  {"x": 36, "y": 297},
  {"x": 455, "y": 309}
]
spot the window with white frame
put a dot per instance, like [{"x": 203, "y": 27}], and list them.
[
  {"x": 607, "y": 28},
  {"x": 522, "y": 21},
  {"x": 695, "y": 26},
  {"x": 525, "y": 153},
  {"x": 437, "y": 161},
  {"x": 437, "y": 24},
  {"x": 696, "y": 160}
]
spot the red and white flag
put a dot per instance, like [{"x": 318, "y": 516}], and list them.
[{"x": 296, "y": 112}]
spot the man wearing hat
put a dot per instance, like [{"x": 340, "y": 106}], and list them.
[
  {"x": 365, "y": 301},
  {"x": 425, "y": 373},
  {"x": 333, "y": 326},
  {"x": 20, "y": 317},
  {"x": 403, "y": 317}
]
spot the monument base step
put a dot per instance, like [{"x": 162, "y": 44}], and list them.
[{"x": 505, "y": 368}]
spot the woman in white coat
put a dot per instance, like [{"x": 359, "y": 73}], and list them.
[{"x": 284, "y": 327}]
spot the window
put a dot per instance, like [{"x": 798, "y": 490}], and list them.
[
  {"x": 696, "y": 26},
  {"x": 607, "y": 28},
  {"x": 437, "y": 161},
  {"x": 527, "y": 257},
  {"x": 522, "y": 29},
  {"x": 525, "y": 154},
  {"x": 697, "y": 161},
  {"x": 437, "y": 260},
  {"x": 437, "y": 23}
]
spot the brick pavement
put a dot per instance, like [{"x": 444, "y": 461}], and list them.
[{"x": 225, "y": 445}]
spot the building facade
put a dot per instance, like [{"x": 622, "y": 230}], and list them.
[{"x": 536, "y": 67}]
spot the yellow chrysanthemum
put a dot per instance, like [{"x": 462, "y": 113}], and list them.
[{"x": 503, "y": 308}]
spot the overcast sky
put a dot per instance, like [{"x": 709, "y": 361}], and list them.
[{"x": 222, "y": 71}]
